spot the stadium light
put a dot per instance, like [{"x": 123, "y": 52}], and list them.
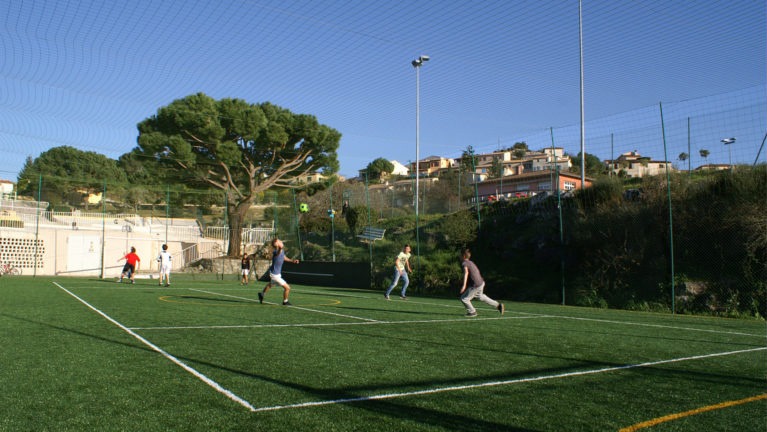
[
  {"x": 727, "y": 142},
  {"x": 417, "y": 63}
]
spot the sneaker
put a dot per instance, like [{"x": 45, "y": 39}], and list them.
[
  {"x": 132, "y": 281},
  {"x": 286, "y": 303},
  {"x": 471, "y": 314},
  {"x": 403, "y": 297},
  {"x": 261, "y": 297},
  {"x": 501, "y": 308},
  {"x": 167, "y": 285},
  {"x": 386, "y": 297},
  {"x": 160, "y": 284}
]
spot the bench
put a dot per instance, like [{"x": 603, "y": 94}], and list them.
[{"x": 372, "y": 234}]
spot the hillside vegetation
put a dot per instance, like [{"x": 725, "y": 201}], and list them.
[{"x": 610, "y": 248}]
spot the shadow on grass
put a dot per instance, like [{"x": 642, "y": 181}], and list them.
[{"x": 399, "y": 409}]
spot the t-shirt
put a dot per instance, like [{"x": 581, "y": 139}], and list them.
[
  {"x": 401, "y": 260},
  {"x": 132, "y": 259},
  {"x": 278, "y": 257},
  {"x": 476, "y": 278},
  {"x": 164, "y": 259},
  {"x": 245, "y": 264}
]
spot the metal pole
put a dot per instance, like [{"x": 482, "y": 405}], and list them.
[
  {"x": 689, "y": 155},
  {"x": 417, "y": 161},
  {"x": 370, "y": 242},
  {"x": 612, "y": 155},
  {"x": 37, "y": 221},
  {"x": 760, "y": 149},
  {"x": 553, "y": 159},
  {"x": 670, "y": 212},
  {"x": 583, "y": 129},
  {"x": 417, "y": 63},
  {"x": 417, "y": 138},
  {"x": 476, "y": 190},
  {"x": 167, "y": 212},
  {"x": 103, "y": 229},
  {"x": 332, "y": 226},
  {"x": 298, "y": 223}
]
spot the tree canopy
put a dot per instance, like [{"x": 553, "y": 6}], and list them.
[
  {"x": 594, "y": 166},
  {"x": 67, "y": 170},
  {"x": 378, "y": 167},
  {"x": 519, "y": 149},
  {"x": 237, "y": 147}
]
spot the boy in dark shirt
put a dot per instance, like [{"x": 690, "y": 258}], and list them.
[{"x": 477, "y": 287}]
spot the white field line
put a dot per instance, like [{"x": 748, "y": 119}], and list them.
[
  {"x": 173, "y": 359},
  {"x": 426, "y": 321},
  {"x": 500, "y": 383},
  {"x": 457, "y": 304},
  {"x": 648, "y": 325},
  {"x": 215, "y": 327},
  {"x": 293, "y": 307}
]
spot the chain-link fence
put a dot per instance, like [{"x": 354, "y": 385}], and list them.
[{"x": 645, "y": 230}]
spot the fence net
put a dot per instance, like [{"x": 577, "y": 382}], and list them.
[{"x": 672, "y": 217}]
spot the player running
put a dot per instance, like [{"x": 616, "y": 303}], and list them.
[
  {"x": 278, "y": 258},
  {"x": 130, "y": 268}
]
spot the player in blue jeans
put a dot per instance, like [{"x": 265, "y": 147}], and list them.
[{"x": 401, "y": 269}]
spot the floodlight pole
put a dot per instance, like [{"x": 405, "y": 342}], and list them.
[
  {"x": 417, "y": 63},
  {"x": 728, "y": 142},
  {"x": 583, "y": 129}
]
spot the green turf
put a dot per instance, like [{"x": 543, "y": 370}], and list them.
[{"x": 65, "y": 367}]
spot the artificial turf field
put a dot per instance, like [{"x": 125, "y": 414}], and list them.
[{"x": 86, "y": 354}]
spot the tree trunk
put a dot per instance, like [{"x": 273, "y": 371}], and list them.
[{"x": 237, "y": 213}]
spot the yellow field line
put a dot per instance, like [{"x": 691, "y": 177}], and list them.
[{"x": 676, "y": 416}]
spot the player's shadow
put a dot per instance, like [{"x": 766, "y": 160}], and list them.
[
  {"x": 390, "y": 408},
  {"x": 394, "y": 312},
  {"x": 211, "y": 299}
]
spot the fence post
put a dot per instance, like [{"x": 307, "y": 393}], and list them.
[
  {"x": 37, "y": 223},
  {"x": 103, "y": 229},
  {"x": 670, "y": 212}
]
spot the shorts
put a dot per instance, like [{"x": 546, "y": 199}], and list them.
[
  {"x": 245, "y": 272},
  {"x": 165, "y": 270},
  {"x": 275, "y": 278},
  {"x": 128, "y": 269}
]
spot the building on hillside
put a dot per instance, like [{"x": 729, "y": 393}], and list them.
[
  {"x": 432, "y": 165},
  {"x": 542, "y": 160},
  {"x": 547, "y": 159},
  {"x": 310, "y": 177},
  {"x": 6, "y": 189},
  {"x": 399, "y": 169},
  {"x": 633, "y": 164},
  {"x": 529, "y": 184},
  {"x": 713, "y": 167}
]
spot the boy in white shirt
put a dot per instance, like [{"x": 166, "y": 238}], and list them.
[{"x": 164, "y": 259}]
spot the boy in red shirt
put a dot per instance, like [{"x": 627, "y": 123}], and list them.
[{"x": 131, "y": 265}]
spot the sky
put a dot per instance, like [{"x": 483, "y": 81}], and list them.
[{"x": 660, "y": 76}]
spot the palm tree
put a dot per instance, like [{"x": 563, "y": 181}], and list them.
[{"x": 704, "y": 154}]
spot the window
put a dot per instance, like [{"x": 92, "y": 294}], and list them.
[{"x": 569, "y": 185}]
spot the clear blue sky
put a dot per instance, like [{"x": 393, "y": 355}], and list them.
[{"x": 84, "y": 73}]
